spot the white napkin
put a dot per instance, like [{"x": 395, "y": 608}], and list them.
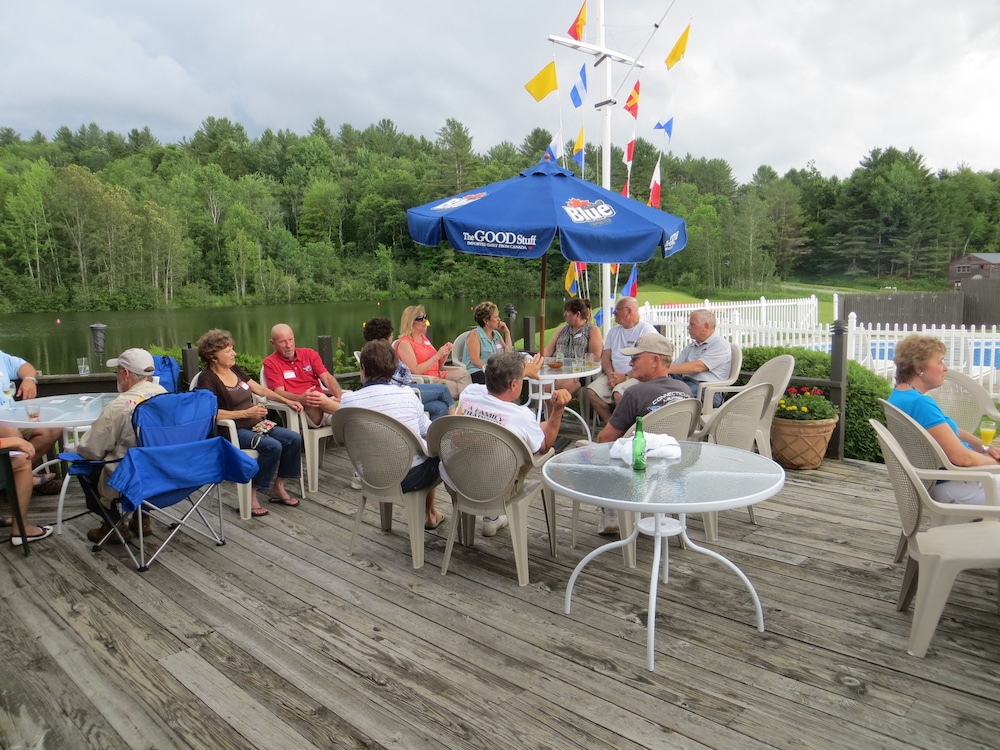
[{"x": 657, "y": 446}]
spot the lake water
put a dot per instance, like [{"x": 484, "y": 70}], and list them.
[{"x": 52, "y": 342}]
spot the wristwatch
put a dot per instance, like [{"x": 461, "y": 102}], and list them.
[{"x": 985, "y": 448}]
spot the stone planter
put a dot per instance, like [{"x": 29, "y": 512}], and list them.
[{"x": 801, "y": 443}]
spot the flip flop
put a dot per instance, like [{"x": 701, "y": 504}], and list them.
[
  {"x": 291, "y": 502},
  {"x": 438, "y": 522},
  {"x": 46, "y": 531},
  {"x": 258, "y": 512}
]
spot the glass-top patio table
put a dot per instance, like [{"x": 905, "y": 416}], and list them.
[{"x": 707, "y": 477}]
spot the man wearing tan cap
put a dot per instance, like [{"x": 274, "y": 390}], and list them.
[
  {"x": 111, "y": 434},
  {"x": 649, "y": 360}
]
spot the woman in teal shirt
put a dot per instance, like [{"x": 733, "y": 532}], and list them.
[{"x": 491, "y": 335}]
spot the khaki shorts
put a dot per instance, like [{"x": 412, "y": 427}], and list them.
[
  {"x": 600, "y": 387},
  {"x": 326, "y": 421}
]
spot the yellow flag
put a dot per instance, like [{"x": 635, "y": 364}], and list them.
[
  {"x": 679, "y": 49},
  {"x": 544, "y": 83}
]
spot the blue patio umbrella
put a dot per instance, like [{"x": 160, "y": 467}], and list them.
[{"x": 521, "y": 216}]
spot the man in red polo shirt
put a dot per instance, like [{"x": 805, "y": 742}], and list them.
[{"x": 299, "y": 374}]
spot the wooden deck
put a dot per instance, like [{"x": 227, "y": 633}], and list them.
[{"x": 279, "y": 639}]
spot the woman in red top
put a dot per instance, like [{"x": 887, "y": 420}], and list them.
[{"x": 417, "y": 352}]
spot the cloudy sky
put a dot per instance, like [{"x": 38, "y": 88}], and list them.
[{"x": 777, "y": 82}]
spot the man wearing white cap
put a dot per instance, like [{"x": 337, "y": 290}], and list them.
[{"x": 111, "y": 434}]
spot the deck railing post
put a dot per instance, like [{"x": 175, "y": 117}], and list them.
[
  {"x": 324, "y": 347},
  {"x": 838, "y": 389}
]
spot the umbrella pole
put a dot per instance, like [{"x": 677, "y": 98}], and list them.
[{"x": 541, "y": 317}]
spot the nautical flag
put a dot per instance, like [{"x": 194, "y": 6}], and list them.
[
  {"x": 576, "y": 30},
  {"x": 631, "y": 288},
  {"x": 614, "y": 268},
  {"x": 555, "y": 150},
  {"x": 579, "y": 91},
  {"x": 578, "y": 150},
  {"x": 544, "y": 83},
  {"x": 572, "y": 280},
  {"x": 625, "y": 186},
  {"x": 667, "y": 127},
  {"x": 677, "y": 53},
  {"x": 654, "y": 186},
  {"x": 632, "y": 103}
]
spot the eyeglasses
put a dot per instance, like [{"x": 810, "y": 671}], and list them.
[
  {"x": 420, "y": 318},
  {"x": 634, "y": 357}
]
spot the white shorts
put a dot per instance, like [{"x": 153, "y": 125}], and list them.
[{"x": 600, "y": 387}]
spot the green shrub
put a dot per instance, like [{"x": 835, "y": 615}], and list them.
[{"x": 864, "y": 388}]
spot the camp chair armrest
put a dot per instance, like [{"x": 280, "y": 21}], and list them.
[{"x": 985, "y": 478}]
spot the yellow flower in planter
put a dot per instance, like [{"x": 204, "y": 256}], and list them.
[{"x": 805, "y": 403}]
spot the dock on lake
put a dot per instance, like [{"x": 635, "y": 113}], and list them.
[{"x": 281, "y": 640}]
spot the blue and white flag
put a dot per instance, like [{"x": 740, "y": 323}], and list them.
[
  {"x": 555, "y": 150},
  {"x": 667, "y": 127},
  {"x": 579, "y": 91}
]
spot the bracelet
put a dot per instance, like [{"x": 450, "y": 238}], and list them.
[
  {"x": 985, "y": 448},
  {"x": 32, "y": 378}
]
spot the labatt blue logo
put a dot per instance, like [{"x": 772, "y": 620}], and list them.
[{"x": 587, "y": 212}]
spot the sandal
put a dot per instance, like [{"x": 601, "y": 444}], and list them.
[
  {"x": 440, "y": 519},
  {"x": 258, "y": 512},
  {"x": 291, "y": 502}
]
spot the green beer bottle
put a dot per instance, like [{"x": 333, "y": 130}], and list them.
[{"x": 639, "y": 447}]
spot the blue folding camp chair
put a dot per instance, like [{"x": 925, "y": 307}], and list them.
[{"x": 177, "y": 460}]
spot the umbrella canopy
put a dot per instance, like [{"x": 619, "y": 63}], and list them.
[{"x": 520, "y": 217}]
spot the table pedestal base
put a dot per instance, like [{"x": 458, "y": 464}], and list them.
[{"x": 661, "y": 527}]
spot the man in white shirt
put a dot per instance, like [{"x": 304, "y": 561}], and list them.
[
  {"x": 606, "y": 391},
  {"x": 379, "y": 393},
  {"x": 496, "y": 401},
  {"x": 707, "y": 358}
]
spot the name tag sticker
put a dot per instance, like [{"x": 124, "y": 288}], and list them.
[
  {"x": 289, "y": 374},
  {"x": 244, "y": 385}
]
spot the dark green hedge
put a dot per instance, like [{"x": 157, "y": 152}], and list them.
[{"x": 864, "y": 388}]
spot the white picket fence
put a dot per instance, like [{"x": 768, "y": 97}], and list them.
[{"x": 795, "y": 322}]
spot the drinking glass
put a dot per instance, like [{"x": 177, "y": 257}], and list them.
[
  {"x": 987, "y": 431},
  {"x": 8, "y": 391},
  {"x": 34, "y": 412},
  {"x": 83, "y": 366}
]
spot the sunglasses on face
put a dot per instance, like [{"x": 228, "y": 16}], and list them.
[{"x": 420, "y": 318}]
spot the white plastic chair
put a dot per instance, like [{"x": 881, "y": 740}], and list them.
[
  {"x": 244, "y": 491},
  {"x": 940, "y": 553},
  {"x": 735, "y": 366},
  {"x": 966, "y": 401},
  {"x": 924, "y": 452},
  {"x": 312, "y": 438},
  {"x": 484, "y": 467},
  {"x": 381, "y": 449},
  {"x": 735, "y": 424},
  {"x": 776, "y": 371}
]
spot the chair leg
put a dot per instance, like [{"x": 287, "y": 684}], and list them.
[
  {"x": 357, "y": 523},
  {"x": 933, "y": 589},
  {"x": 312, "y": 462},
  {"x": 711, "y": 521},
  {"x": 900, "y": 548},
  {"x": 415, "y": 518},
  {"x": 517, "y": 515},
  {"x": 549, "y": 505},
  {"x": 452, "y": 533},
  {"x": 385, "y": 516},
  {"x": 909, "y": 588},
  {"x": 244, "y": 493}
]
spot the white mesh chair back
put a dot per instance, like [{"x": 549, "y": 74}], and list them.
[
  {"x": 735, "y": 423},
  {"x": 964, "y": 400},
  {"x": 458, "y": 350},
  {"x": 380, "y": 447},
  {"x": 679, "y": 420},
  {"x": 908, "y": 488}
]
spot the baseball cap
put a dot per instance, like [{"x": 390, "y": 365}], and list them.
[
  {"x": 138, "y": 361},
  {"x": 653, "y": 343}
]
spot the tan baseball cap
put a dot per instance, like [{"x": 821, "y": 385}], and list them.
[{"x": 653, "y": 343}]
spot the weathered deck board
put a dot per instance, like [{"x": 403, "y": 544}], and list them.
[{"x": 281, "y": 639}]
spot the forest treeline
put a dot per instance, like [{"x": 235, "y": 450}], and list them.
[{"x": 93, "y": 219}]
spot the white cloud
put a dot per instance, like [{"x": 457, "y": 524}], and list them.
[{"x": 780, "y": 83}]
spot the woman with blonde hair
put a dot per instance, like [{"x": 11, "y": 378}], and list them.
[
  {"x": 491, "y": 335},
  {"x": 415, "y": 350},
  {"x": 920, "y": 368}
]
